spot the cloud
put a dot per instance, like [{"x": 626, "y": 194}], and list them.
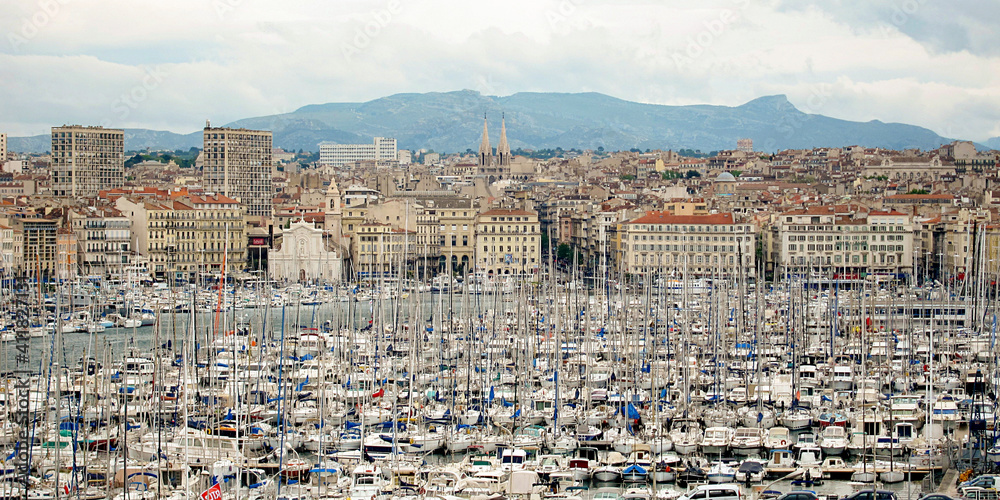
[
  {"x": 942, "y": 27},
  {"x": 231, "y": 59}
]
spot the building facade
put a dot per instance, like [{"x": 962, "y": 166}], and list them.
[
  {"x": 11, "y": 251},
  {"x": 305, "y": 256},
  {"x": 103, "y": 244},
  {"x": 86, "y": 160},
  {"x": 66, "y": 255},
  {"x": 183, "y": 238},
  {"x": 336, "y": 155},
  {"x": 819, "y": 242},
  {"x": 508, "y": 242},
  {"x": 238, "y": 164},
  {"x": 379, "y": 249},
  {"x": 39, "y": 246},
  {"x": 698, "y": 245}
]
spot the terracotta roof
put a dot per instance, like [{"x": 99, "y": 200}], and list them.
[
  {"x": 217, "y": 199},
  {"x": 655, "y": 217}
]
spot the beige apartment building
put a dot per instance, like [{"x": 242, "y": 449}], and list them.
[
  {"x": 238, "y": 164},
  {"x": 103, "y": 239},
  {"x": 66, "y": 256},
  {"x": 186, "y": 237},
  {"x": 86, "y": 160},
  {"x": 380, "y": 250},
  {"x": 902, "y": 168},
  {"x": 444, "y": 228},
  {"x": 819, "y": 242},
  {"x": 698, "y": 245},
  {"x": 452, "y": 232},
  {"x": 39, "y": 246},
  {"x": 508, "y": 242},
  {"x": 11, "y": 252}
]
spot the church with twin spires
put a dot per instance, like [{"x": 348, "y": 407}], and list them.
[{"x": 494, "y": 166}]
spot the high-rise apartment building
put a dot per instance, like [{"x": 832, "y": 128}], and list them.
[
  {"x": 237, "y": 164},
  {"x": 335, "y": 155},
  {"x": 86, "y": 160}
]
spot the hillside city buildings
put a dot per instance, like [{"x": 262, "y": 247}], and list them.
[{"x": 824, "y": 215}]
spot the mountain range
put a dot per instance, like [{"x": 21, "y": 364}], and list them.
[{"x": 453, "y": 122}]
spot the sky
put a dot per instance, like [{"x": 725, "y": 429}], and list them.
[{"x": 172, "y": 65}]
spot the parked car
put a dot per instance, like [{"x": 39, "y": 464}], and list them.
[
  {"x": 983, "y": 481},
  {"x": 871, "y": 494},
  {"x": 799, "y": 495}
]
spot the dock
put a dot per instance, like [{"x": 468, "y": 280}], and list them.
[{"x": 949, "y": 483}]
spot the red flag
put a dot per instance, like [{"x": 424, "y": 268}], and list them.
[
  {"x": 379, "y": 393},
  {"x": 213, "y": 493}
]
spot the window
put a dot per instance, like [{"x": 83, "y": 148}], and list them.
[{"x": 722, "y": 494}]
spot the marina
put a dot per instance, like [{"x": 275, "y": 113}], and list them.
[{"x": 482, "y": 386}]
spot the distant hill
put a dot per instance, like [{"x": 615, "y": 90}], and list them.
[
  {"x": 452, "y": 122},
  {"x": 993, "y": 143},
  {"x": 135, "y": 139}
]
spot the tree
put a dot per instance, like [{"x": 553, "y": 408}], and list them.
[
  {"x": 691, "y": 174},
  {"x": 627, "y": 177},
  {"x": 919, "y": 191},
  {"x": 564, "y": 252},
  {"x": 600, "y": 149},
  {"x": 736, "y": 173},
  {"x": 131, "y": 162}
]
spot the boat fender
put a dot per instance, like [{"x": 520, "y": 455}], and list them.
[
  {"x": 783, "y": 442},
  {"x": 422, "y": 490}
]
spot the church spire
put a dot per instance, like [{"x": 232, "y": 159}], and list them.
[
  {"x": 503, "y": 149},
  {"x": 485, "y": 151}
]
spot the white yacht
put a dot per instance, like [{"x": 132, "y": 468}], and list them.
[{"x": 833, "y": 440}]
